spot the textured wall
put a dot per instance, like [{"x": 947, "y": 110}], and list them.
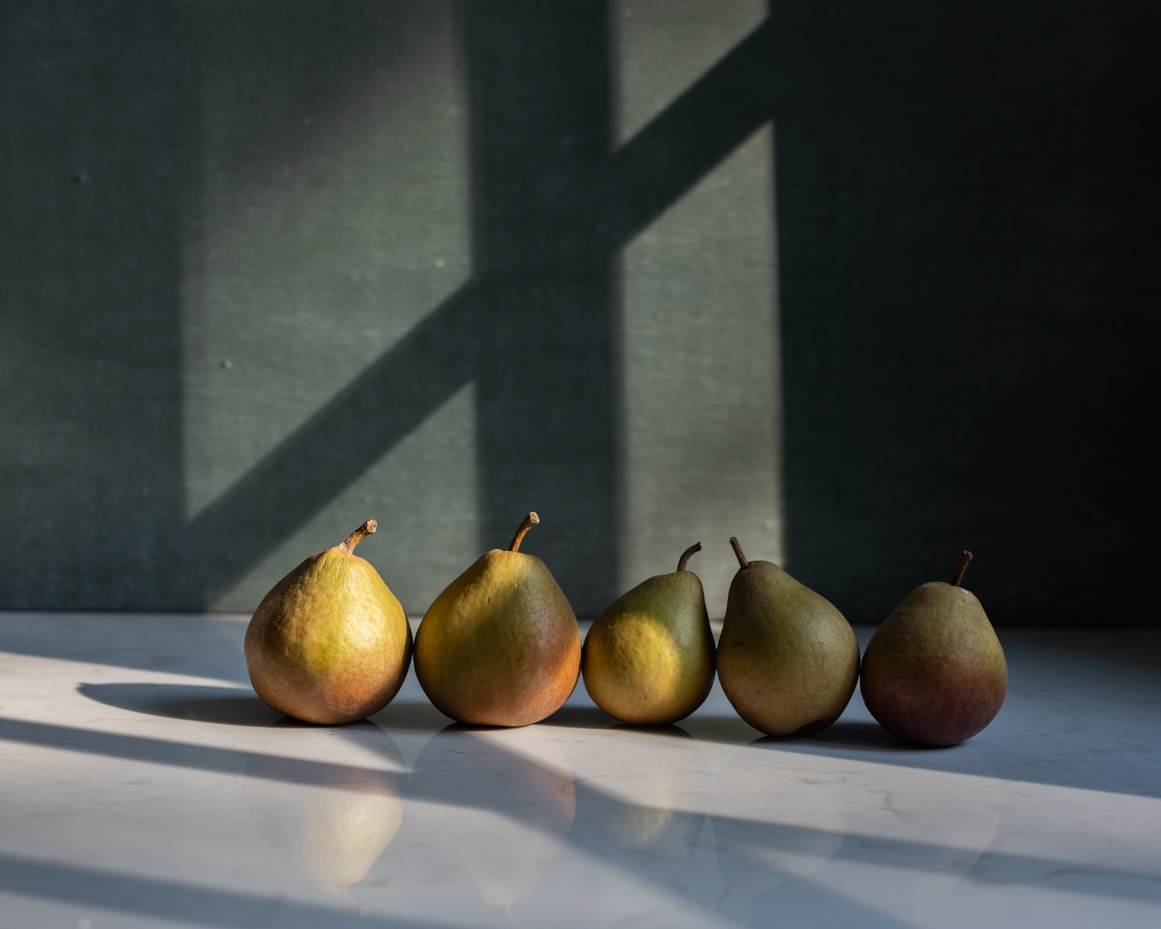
[{"x": 862, "y": 283}]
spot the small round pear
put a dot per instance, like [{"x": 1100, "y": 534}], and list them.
[
  {"x": 934, "y": 673},
  {"x": 500, "y": 646},
  {"x": 787, "y": 658},
  {"x": 329, "y": 643},
  {"x": 648, "y": 659}
]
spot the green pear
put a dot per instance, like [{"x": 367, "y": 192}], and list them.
[
  {"x": 934, "y": 673},
  {"x": 648, "y": 659},
  {"x": 787, "y": 659},
  {"x": 329, "y": 643},
  {"x": 500, "y": 646}
]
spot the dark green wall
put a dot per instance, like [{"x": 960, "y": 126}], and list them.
[{"x": 864, "y": 283}]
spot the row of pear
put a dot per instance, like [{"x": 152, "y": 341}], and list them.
[{"x": 501, "y": 646}]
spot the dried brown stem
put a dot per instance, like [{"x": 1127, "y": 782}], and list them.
[
  {"x": 738, "y": 551},
  {"x": 529, "y": 521},
  {"x": 964, "y": 560},
  {"x": 687, "y": 554},
  {"x": 368, "y": 528}
]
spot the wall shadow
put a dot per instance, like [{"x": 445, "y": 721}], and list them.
[
  {"x": 533, "y": 329},
  {"x": 982, "y": 185},
  {"x": 101, "y": 109},
  {"x": 967, "y": 217},
  {"x": 538, "y": 79}
]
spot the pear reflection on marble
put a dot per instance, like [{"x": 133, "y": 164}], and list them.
[
  {"x": 774, "y": 820},
  {"x": 497, "y": 804},
  {"x": 641, "y": 808},
  {"x": 640, "y": 825},
  {"x": 331, "y": 821}
]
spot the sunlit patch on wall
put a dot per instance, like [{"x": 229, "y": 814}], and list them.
[
  {"x": 333, "y": 216},
  {"x": 423, "y": 495},
  {"x": 701, "y": 406}
]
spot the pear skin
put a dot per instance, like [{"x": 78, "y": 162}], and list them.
[
  {"x": 501, "y": 645},
  {"x": 787, "y": 658},
  {"x": 934, "y": 673},
  {"x": 648, "y": 659},
  {"x": 329, "y": 643}
]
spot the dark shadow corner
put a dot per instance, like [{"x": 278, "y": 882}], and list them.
[
  {"x": 857, "y": 736},
  {"x": 580, "y": 717},
  {"x": 410, "y": 716}
]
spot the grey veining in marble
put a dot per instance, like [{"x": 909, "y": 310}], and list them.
[{"x": 143, "y": 784}]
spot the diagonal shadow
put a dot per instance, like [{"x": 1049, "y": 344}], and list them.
[
  {"x": 1025, "y": 870},
  {"x": 223, "y": 706},
  {"x": 783, "y": 839},
  {"x": 546, "y": 396},
  {"x": 157, "y": 898},
  {"x": 680, "y": 146},
  {"x": 197, "y": 757},
  {"x": 372, "y": 415},
  {"x": 596, "y": 806},
  {"x": 551, "y": 213}
]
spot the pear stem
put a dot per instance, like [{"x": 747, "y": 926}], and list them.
[
  {"x": 738, "y": 551},
  {"x": 529, "y": 521},
  {"x": 687, "y": 554},
  {"x": 964, "y": 560},
  {"x": 368, "y": 528}
]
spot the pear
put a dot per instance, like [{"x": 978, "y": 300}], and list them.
[
  {"x": 934, "y": 673},
  {"x": 500, "y": 646},
  {"x": 787, "y": 659},
  {"x": 648, "y": 659},
  {"x": 329, "y": 643}
]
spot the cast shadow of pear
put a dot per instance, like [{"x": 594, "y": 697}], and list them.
[
  {"x": 331, "y": 821},
  {"x": 773, "y": 822},
  {"x": 491, "y": 810},
  {"x": 921, "y": 817},
  {"x": 646, "y": 826},
  {"x": 930, "y": 823},
  {"x": 227, "y": 706}
]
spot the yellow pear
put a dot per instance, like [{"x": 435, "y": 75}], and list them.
[
  {"x": 649, "y": 657},
  {"x": 329, "y": 643},
  {"x": 500, "y": 646}
]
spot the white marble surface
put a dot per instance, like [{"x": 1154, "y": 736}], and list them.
[{"x": 143, "y": 784}]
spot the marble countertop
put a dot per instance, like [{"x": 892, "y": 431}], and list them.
[{"x": 143, "y": 784}]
